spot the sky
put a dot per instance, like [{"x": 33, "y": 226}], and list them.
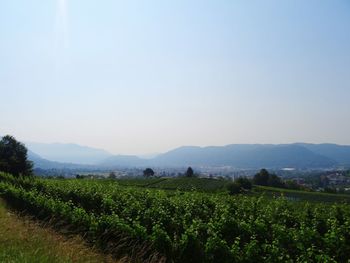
[{"x": 137, "y": 77}]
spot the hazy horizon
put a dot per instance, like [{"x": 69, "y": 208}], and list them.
[
  {"x": 138, "y": 78},
  {"x": 147, "y": 155}
]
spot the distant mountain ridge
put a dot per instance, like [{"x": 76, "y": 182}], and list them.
[
  {"x": 245, "y": 156},
  {"x": 42, "y": 163},
  {"x": 339, "y": 153},
  {"x": 69, "y": 153},
  {"x": 124, "y": 161}
]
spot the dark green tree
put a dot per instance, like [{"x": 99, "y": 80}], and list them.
[
  {"x": 189, "y": 172},
  {"x": 261, "y": 178},
  {"x": 233, "y": 188},
  {"x": 13, "y": 157},
  {"x": 148, "y": 172},
  {"x": 275, "y": 181},
  {"x": 112, "y": 175},
  {"x": 244, "y": 183},
  {"x": 266, "y": 179}
]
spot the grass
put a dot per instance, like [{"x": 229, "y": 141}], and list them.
[{"x": 23, "y": 240}]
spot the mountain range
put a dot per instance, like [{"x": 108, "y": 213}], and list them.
[
  {"x": 68, "y": 153},
  {"x": 243, "y": 156}
]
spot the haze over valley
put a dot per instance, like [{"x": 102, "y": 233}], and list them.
[{"x": 240, "y": 156}]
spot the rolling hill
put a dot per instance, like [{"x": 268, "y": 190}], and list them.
[
  {"x": 244, "y": 156},
  {"x": 338, "y": 153}
]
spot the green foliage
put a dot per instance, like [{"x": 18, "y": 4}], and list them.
[
  {"x": 290, "y": 184},
  {"x": 330, "y": 190},
  {"x": 188, "y": 226},
  {"x": 148, "y": 172},
  {"x": 234, "y": 188},
  {"x": 13, "y": 157},
  {"x": 111, "y": 175},
  {"x": 275, "y": 181},
  {"x": 298, "y": 195},
  {"x": 176, "y": 183},
  {"x": 244, "y": 183},
  {"x": 189, "y": 172},
  {"x": 264, "y": 178},
  {"x": 261, "y": 178},
  {"x": 189, "y": 184},
  {"x": 239, "y": 185},
  {"x": 139, "y": 181}
]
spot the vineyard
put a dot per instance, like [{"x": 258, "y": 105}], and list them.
[
  {"x": 176, "y": 226},
  {"x": 178, "y": 183}
]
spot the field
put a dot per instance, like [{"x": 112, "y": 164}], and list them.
[
  {"x": 207, "y": 185},
  {"x": 155, "y": 225},
  {"x": 296, "y": 195},
  {"x": 178, "y": 183}
]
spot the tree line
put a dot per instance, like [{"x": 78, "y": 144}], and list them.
[
  {"x": 263, "y": 178},
  {"x": 148, "y": 172}
]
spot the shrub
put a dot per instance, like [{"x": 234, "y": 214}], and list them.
[
  {"x": 234, "y": 188},
  {"x": 244, "y": 183}
]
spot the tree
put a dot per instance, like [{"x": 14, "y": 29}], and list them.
[
  {"x": 275, "y": 181},
  {"x": 112, "y": 175},
  {"x": 266, "y": 179},
  {"x": 330, "y": 190},
  {"x": 13, "y": 157},
  {"x": 148, "y": 172},
  {"x": 233, "y": 188},
  {"x": 244, "y": 183},
  {"x": 239, "y": 185},
  {"x": 189, "y": 172},
  {"x": 261, "y": 178}
]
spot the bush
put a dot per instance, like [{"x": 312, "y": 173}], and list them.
[
  {"x": 239, "y": 185},
  {"x": 234, "y": 188},
  {"x": 244, "y": 183}
]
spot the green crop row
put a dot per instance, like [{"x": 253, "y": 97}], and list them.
[{"x": 191, "y": 226}]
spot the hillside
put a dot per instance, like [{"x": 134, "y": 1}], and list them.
[
  {"x": 244, "y": 156},
  {"x": 69, "y": 153},
  {"x": 42, "y": 163},
  {"x": 338, "y": 153}
]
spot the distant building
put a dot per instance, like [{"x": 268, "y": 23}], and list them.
[{"x": 338, "y": 179}]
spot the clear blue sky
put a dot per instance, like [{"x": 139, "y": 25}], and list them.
[{"x": 147, "y": 76}]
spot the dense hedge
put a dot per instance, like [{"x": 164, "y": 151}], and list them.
[{"x": 188, "y": 227}]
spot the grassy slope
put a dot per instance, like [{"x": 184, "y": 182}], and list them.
[
  {"x": 301, "y": 195},
  {"x": 21, "y": 240},
  {"x": 214, "y": 185}
]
